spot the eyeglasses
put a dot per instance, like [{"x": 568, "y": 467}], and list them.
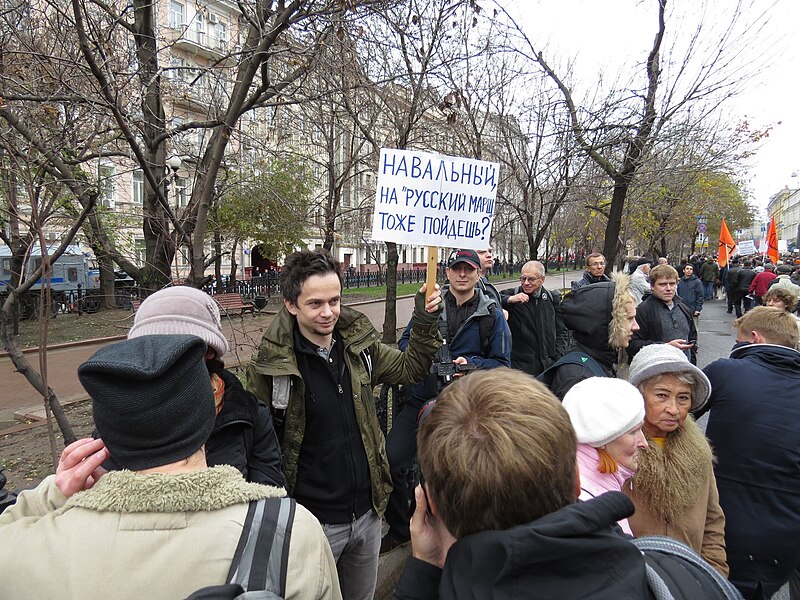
[
  {"x": 531, "y": 279},
  {"x": 598, "y": 264}
]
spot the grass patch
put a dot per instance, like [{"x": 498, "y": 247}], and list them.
[{"x": 378, "y": 292}]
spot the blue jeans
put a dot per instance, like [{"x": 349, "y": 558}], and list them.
[
  {"x": 355, "y": 548},
  {"x": 708, "y": 287}
]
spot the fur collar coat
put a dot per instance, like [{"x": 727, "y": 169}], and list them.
[{"x": 675, "y": 494}]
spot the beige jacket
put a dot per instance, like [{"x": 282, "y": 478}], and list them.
[
  {"x": 147, "y": 536},
  {"x": 675, "y": 494}
]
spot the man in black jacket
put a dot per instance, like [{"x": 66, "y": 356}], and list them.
[
  {"x": 595, "y": 271},
  {"x": 497, "y": 517},
  {"x": 754, "y": 426},
  {"x": 663, "y": 317},
  {"x": 538, "y": 334},
  {"x": 740, "y": 284}
]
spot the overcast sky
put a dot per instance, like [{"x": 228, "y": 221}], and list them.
[{"x": 610, "y": 34}]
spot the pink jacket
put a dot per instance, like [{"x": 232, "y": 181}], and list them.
[{"x": 594, "y": 483}]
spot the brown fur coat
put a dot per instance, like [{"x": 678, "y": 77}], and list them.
[{"x": 675, "y": 494}]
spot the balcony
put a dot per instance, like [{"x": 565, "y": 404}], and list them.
[{"x": 199, "y": 44}]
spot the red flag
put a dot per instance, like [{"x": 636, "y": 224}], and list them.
[
  {"x": 772, "y": 242},
  {"x": 726, "y": 245}
]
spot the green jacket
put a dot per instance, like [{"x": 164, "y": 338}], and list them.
[{"x": 274, "y": 377}]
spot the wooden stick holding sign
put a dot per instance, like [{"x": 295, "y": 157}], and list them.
[{"x": 433, "y": 269}]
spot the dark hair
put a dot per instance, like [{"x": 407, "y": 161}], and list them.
[{"x": 302, "y": 265}]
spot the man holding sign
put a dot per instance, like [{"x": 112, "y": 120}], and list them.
[{"x": 315, "y": 369}]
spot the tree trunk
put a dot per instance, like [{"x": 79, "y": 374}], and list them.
[
  {"x": 217, "y": 249},
  {"x": 611, "y": 244},
  {"x": 107, "y": 279},
  {"x": 390, "y": 315}
]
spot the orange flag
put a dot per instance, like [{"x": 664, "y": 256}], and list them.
[
  {"x": 726, "y": 245},
  {"x": 772, "y": 242}
]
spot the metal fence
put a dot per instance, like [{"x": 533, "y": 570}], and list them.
[
  {"x": 267, "y": 285},
  {"x": 256, "y": 289}
]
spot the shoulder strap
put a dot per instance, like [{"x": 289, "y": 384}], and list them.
[
  {"x": 486, "y": 329},
  {"x": 261, "y": 558},
  {"x": 572, "y": 358}
]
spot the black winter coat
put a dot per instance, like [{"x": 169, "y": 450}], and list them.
[
  {"x": 244, "y": 436},
  {"x": 744, "y": 277},
  {"x": 691, "y": 292},
  {"x": 754, "y": 428},
  {"x": 650, "y": 331},
  {"x": 575, "y": 552},
  {"x": 538, "y": 334}
]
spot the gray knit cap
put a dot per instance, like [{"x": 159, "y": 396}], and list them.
[
  {"x": 181, "y": 310},
  {"x": 602, "y": 409},
  {"x": 657, "y": 359},
  {"x": 152, "y": 400}
]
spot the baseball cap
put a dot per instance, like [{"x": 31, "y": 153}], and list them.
[{"x": 466, "y": 256}]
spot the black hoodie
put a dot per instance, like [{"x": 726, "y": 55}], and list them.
[{"x": 575, "y": 552}]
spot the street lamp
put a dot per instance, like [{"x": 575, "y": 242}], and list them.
[{"x": 174, "y": 162}]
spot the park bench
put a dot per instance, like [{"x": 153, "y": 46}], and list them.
[{"x": 233, "y": 302}]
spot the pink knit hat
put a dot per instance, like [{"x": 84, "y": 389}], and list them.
[{"x": 181, "y": 310}]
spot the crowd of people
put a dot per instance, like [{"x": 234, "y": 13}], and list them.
[{"x": 520, "y": 463}]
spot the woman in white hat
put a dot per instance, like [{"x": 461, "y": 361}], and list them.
[
  {"x": 674, "y": 489},
  {"x": 607, "y": 415}
]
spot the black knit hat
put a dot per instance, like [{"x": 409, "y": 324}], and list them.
[{"x": 151, "y": 398}]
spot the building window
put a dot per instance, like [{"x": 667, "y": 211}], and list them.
[
  {"x": 105, "y": 176},
  {"x": 175, "y": 14},
  {"x": 200, "y": 27},
  {"x": 181, "y": 193},
  {"x": 220, "y": 33},
  {"x": 137, "y": 192}
]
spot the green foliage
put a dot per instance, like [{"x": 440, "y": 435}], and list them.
[
  {"x": 668, "y": 208},
  {"x": 268, "y": 205}
]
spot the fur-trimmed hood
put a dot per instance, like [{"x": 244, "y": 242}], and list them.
[
  {"x": 669, "y": 479},
  {"x": 596, "y": 313},
  {"x": 203, "y": 490}
]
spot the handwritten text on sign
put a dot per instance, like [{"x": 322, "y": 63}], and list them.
[{"x": 434, "y": 200}]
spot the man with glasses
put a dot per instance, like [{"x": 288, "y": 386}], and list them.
[
  {"x": 538, "y": 335},
  {"x": 595, "y": 271},
  {"x": 663, "y": 318}
]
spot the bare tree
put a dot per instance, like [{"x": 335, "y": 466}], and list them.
[
  {"x": 109, "y": 57},
  {"x": 404, "y": 50},
  {"x": 697, "y": 73}
]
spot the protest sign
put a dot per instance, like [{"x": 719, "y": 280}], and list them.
[
  {"x": 746, "y": 247},
  {"x": 434, "y": 200}
]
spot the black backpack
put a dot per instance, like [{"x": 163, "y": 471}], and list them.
[
  {"x": 571, "y": 358},
  {"x": 265, "y": 535},
  {"x": 675, "y": 572}
]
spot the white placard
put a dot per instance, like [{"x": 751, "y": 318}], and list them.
[
  {"x": 746, "y": 247},
  {"x": 434, "y": 200},
  {"x": 782, "y": 247}
]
